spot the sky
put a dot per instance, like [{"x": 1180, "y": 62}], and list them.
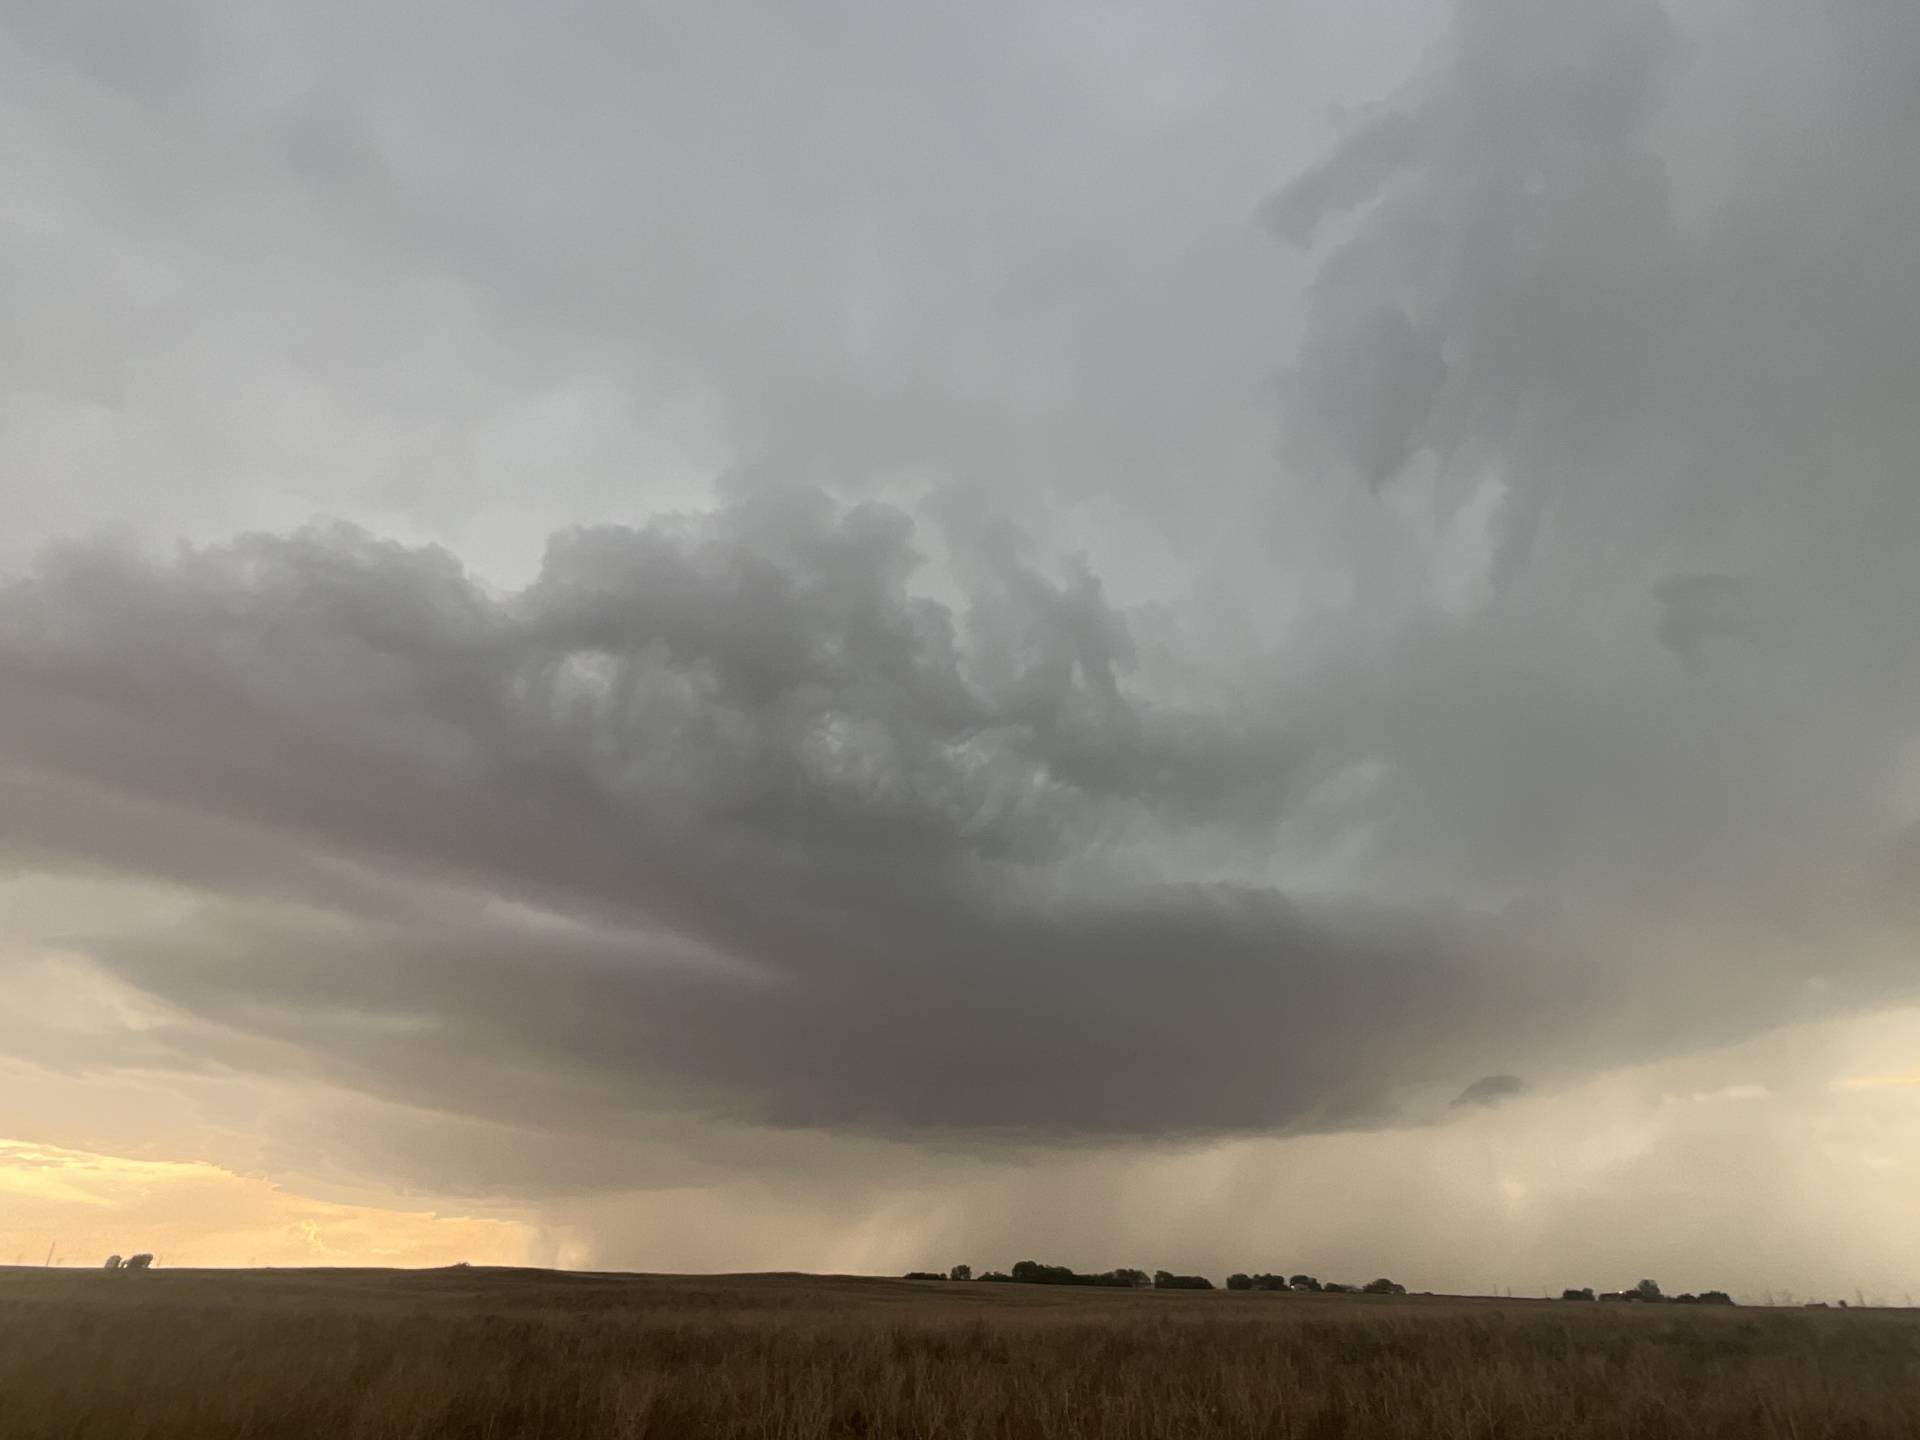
[{"x": 857, "y": 635}]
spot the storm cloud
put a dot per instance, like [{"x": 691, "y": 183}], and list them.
[
  {"x": 1147, "y": 648},
  {"x": 715, "y": 813}
]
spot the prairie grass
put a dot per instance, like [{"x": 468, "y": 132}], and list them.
[{"x": 490, "y": 1354}]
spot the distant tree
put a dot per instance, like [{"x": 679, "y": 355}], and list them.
[
  {"x": 925, "y": 1275},
  {"x": 1334, "y": 1287},
  {"x": 997, "y": 1277},
  {"x": 1303, "y": 1282},
  {"x": 1261, "y": 1281},
  {"x": 1582, "y": 1294},
  {"x": 1648, "y": 1291},
  {"x": 960, "y": 1272},
  {"x": 1715, "y": 1297},
  {"x": 1617, "y": 1295},
  {"x": 142, "y": 1261},
  {"x": 1384, "y": 1287},
  {"x": 113, "y": 1262},
  {"x": 1136, "y": 1279},
  {"x": 1164, "y": 1280},
  {"x": 1032, "y": 1272}
]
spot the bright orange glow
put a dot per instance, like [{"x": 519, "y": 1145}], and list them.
[{"x": 87, "y": 1206}]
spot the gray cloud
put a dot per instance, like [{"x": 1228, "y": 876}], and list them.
[
  {"x": 1490, "y": 1090},
  {"x": 1017, "y": 745},
  {"x": 722, "y": 814},
  {"x": 829, "y": 852},
  {"x": 475, "y": 272},
  {"x": 1694, "y": 608}
]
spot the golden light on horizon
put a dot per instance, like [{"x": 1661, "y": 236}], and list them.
[
  {"x": 78, "y": 1207},
  {"x": 1878, "y": 1082}
]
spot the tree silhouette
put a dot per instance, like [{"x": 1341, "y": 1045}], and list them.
[
  {"x": 1032, "y": 1272},
  {"x": 1164, "y": 1280}
]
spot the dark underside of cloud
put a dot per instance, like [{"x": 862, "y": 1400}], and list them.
[
  {"x": 845, "y": 815},
  {"x": 719, "y": 816},
  {"x": 1489, "y": 1090},
  {"x": 714, "y": 815}
]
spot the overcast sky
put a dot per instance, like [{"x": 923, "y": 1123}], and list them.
[{"x": 855, "y": 634}]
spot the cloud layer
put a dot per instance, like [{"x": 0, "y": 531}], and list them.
[
  {"x": 714, "y": 813},
  {"x": 1049, "y": 727}
]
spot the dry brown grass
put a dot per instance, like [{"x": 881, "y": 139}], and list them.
[{"x": 491, "y": 1353}]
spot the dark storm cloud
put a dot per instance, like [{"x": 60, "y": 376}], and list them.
[
  {"x": 819, "y": 812},
  {"x": 829, "y": 853},
  {"x": 722, "y": 814}
]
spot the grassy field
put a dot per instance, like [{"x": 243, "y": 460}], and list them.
[{"x": 505, "y": 1353}]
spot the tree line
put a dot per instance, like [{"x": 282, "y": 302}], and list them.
[
  {"x": 1309, "y": 1284},
  {"x": 1648, "y": 1292},
  {"x": 1032, "y": 1272}
]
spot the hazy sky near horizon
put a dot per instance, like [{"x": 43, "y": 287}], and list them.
[{"x": 706, "y": 636}]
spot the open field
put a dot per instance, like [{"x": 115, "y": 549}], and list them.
[{"x": 504, "y": 1353}]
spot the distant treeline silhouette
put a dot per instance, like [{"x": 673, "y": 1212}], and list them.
[
  {"x": 1647, "y": 1292},
  {"x": 1032, "y": 1272},
  {"x": 1163, "y": 1281}
]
